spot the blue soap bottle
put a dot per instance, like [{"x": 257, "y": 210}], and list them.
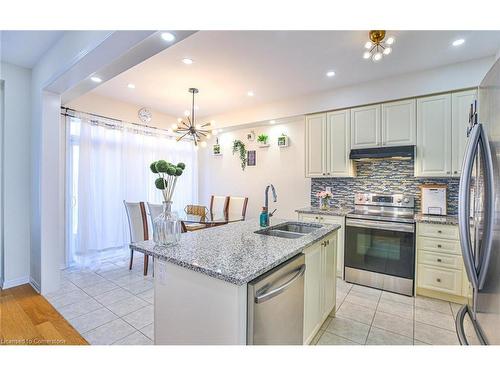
[{"x": 264, "y": 217}]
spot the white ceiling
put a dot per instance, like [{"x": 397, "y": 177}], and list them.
[
  {"x": 24, "y": 48},
  {"x": 280, "y": 64}
]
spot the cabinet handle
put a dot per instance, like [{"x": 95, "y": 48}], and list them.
[
  {"x": 439, "y": 260},
  {"x": 440, "y": 231},
  {"x": 439, "y": 246},
  {"x": 438, "y": 280},
  {"x": 455, "y": 172},
  {"x": 448, "y": 172},
  {"x": 317, "y": 218}
]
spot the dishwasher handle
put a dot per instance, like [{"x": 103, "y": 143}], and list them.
[{"x": 263, "y": 297}]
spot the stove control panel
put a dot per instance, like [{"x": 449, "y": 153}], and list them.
[{"x": 393, "y": 200}]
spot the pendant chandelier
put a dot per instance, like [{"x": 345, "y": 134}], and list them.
[
  {"x": 376, "y": 46},
  {"x": 188, "y": 126}
]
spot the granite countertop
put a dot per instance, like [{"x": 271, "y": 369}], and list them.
[
  {"x": 432, "y": 219},
  {"x": 233, "y": 252},
  {"x": 333, "y": 211}
]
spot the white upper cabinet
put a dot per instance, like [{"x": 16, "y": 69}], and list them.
[
  {"x": 365, "y": 127},
  {"x": 433, "y": 136},
  {"x": 328, "y": 145},
  {"x": 316, "y": 145},
  {"x": 460, "y": 104},
  {"x": 338, "y": 135},
  {"x": 398, "y": 123}
]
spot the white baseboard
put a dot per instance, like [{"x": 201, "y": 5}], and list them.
[
  {"x": 35, "y": 285},
  {"x": 15, "y": 282}
]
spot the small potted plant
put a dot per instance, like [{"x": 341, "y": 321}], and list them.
[
  {"x": 283, "y": 140},
  {"x": 262, "y": 139},
  {"x": 324, "y": 197}
]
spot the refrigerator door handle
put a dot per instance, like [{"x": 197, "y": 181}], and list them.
[
  {"x": 464, "y": 206},
  {"x": 489, "y": 207},
  {"x": 459, "y": 325}
]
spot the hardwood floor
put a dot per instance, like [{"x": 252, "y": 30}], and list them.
[{"x": 26, "y": 318}]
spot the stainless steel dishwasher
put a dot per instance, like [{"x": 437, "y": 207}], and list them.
[{"x": 276, "y": 305}]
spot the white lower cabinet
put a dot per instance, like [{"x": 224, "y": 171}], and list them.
[
  {"x": 319, "y": 285},
  {"x": 440, "y": 268},
  {"x": 331, "y": 219}
]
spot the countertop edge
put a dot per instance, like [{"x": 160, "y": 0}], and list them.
[{"x": 229, "y": 279}]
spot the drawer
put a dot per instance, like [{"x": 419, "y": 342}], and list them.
[
  {"x": 438, "y": 245},
  {"x": 439, "y": 279},
  {"x": 440, "y": 260},
  {"x": 438, "y": 230},
  {"x": 309, "y": 218}
]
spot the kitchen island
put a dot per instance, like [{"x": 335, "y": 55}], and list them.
[{"x": 201, "y": 282}]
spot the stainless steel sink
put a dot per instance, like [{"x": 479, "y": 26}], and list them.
[{"x": 289, "y": 230}]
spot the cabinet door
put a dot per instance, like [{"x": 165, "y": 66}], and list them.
[
  {"x": 312, "y": 290},
  {"x": 460, "y": 107},
  {"x": 365, "y": 127},
  {"x": 433, "y": 136},
  {"x": 340, "y": 220},
  {"x": 338, "y": 134},
  {"x": 316, "y": 145},
  {"x": 329, "y": 278},
  {"x": 399, "y": 123}
]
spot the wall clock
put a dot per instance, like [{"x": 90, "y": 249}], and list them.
[{"x": 145, "y": 115}]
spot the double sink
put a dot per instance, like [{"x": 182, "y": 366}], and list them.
[{"x": 290, "y": 229}]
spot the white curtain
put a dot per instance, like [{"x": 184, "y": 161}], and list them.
[{"x": 112, "y": 165}]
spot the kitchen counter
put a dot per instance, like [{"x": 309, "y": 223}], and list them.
[
  {"x": 332, "y": 211},
  {"x": 432, "y": 219},
  {"x": 233, "y": 252}
]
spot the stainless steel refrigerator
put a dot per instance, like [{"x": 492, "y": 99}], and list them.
[{"x": 478, "y": 322}]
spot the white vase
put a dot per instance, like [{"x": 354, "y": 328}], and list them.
[{"x": 167, "y": 227}]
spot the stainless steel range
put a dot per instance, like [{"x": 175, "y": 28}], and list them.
[{"x": 380, "y": 242}]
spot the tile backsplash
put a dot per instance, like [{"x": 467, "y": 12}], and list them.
[{"x": 383, "y": 176}]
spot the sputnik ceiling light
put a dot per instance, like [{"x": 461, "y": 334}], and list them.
[
  {"x": 377, "y": 47},
  {"x": 189, "y": 127}
]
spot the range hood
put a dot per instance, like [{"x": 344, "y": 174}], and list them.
[{"x": 397, "y": 152}]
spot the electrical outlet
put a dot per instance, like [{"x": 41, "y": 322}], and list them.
[{"x": 328, "y": 189}]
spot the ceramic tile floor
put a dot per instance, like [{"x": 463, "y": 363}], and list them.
[
  {"x": 368, "y": 316},
  {"x": 109, "y": 304}
]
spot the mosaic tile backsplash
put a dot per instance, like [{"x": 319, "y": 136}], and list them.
[{"x": 384, "y": 177}]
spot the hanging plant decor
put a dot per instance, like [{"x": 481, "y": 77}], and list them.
[{"x": 239, "y": 146}]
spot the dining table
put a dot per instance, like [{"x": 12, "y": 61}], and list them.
[{"x": 209, "y": 219}]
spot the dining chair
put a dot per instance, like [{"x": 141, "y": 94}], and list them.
[
  {"x": 138, "y": 226},
  {"x": 218, "y": 206},
  {"x": 197, "y": 210},
  {"x": 237, "y": 207}
]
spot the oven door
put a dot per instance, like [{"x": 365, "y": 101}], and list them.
[{"x": 381, "y": 247}]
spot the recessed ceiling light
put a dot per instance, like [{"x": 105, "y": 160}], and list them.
[
  {"x": 96, "y": 79},
  {"x": 331, "y": 73},
  {"x": 168, "y": 37},
  {"x": 272, "y": 122},
  {"x": 458, "y": 42},
  {"x": 131, "y": 86},
  {"x": 187, "y": 61},
  {"x": 250, "y": 93}
]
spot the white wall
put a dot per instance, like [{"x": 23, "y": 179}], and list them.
[
  {"x": 109, "y": 107},
  {"x": 283, "y": 167},
  {"x": 442, "y": 79},
  {"x": 16, "y": 174}
]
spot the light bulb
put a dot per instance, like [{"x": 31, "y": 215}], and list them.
[
  {"x": 377, "y": 56},
  {"x": 208, "y": 135},
  {"x": 179, "y": 119},
  {"x": 368, "y": 45},
  {"x": 174, "y": 126},
  {"x": 214, "y": 131},
  {"x": 203, "y": 144},
  {"x": 387, "y": 50},
  {"x": 367, "y": 55},
  {"x": 390, "y": 40},
  {"x": 186, "y": 113}
]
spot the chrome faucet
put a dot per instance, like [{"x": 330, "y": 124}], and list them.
[{"x": 266, "y": 200}]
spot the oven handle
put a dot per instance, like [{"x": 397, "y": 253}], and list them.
[{"x": 384, "y": 225}]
